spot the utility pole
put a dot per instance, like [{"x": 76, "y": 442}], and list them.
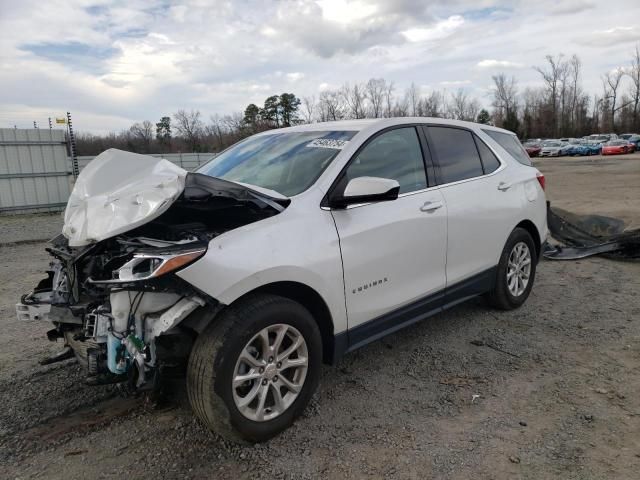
[{"x": 72, "y": 147}]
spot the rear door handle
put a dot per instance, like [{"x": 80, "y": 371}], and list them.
[
  {"x": 430, "y": 206},
  {"x": 503, "y": 186}
]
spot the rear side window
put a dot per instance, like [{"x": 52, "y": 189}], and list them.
[
  {"x": 456, "y": 152},
  {"x": 489, "y": 160},
  {"x": 511, "y": 144}
]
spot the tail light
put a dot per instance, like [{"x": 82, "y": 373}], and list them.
[{"x": 541, "y": 180}]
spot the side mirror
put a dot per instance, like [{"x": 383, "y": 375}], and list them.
[{"x": 367, "y": 190}]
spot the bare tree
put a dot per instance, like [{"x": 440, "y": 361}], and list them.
[
  {"x": 330, "y": 106},
  {"x": 575, "y": 66},
  {"x": 553, "y": 77},
  {"x": 412, "y": 97},
  {"x": 388, "y": 99},
  {"x": 505, "y": 94},
  {"x": 142, "y": 133},
  {"x": 354, "y": 98},
  {"x": 634, "y": 73},
  {"x": 309, "y": 106},
  {"x": 375, "y": 90},
  {"x": 462, "y": 107},
  {"x": 189, "y": 125},
  {"x": 611, "y": 84},
  {"x": 434, "y": 105}
]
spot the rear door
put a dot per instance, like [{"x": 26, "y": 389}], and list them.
[
  {"x": 480, "y": 202},
  {"x": 393, "y": 252}
]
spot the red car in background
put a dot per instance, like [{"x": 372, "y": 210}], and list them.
[
  {"x": 533, "y": 149},
  {"x": 631, "y": 146},
  {"x": 616, "y": 147}
]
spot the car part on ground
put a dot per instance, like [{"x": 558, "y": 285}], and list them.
[{"x": 587, "y": 235}]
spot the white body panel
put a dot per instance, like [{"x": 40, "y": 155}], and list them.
[
  {"x": 417, "y": 252},
  {"x": 117, "y": 192},
  {"x": 298, "y": 245},
  {"x": 393, "y": 253}
]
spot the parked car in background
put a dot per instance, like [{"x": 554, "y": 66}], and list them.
[
  {"x": 554, "y": 148},
  {"x": 579, "y": 149},
  {"x": 601, "y": 138},
  {"x": 616, "y": 147},
  {"x": 632, "y": 138},
  {"x": 533, "y": 149},
  {"x": 594, "y": 148}
]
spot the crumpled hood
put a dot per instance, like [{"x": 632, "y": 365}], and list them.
[{"x": 117, "y": 192}]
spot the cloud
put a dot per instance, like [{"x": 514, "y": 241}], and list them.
[
  {"x": 295, "y": 76},
  {"x": 490, "y": 63},
  {"x": 612, "y": 36},
  {"x": 570, "y": 7},
  {"x": 455, "y": 83},
  {"x": 441, "y": 29},
  {"x": 122, "y": 62}
]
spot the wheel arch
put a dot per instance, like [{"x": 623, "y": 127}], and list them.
[
  {"x": 530, "y": 227},
  {"x": 312, "y": 301}
]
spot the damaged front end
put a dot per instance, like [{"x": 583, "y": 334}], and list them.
[{"x": 111, "y": 291}]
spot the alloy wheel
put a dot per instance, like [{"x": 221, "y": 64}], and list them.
[
  {"x": 270, "y": 372},
  {"x": 518, "y": 269}
]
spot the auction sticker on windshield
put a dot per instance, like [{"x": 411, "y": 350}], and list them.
[{"x": 328, "y": 143}]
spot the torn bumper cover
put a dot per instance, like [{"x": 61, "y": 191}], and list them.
[
  {"x": 111, "y": 291},
  {"x": 587, "y": 235}
]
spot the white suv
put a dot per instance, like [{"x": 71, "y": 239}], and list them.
[{"x": 289, "y": 249}]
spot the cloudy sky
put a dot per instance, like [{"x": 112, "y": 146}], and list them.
[{"x": 114, "y": 63}]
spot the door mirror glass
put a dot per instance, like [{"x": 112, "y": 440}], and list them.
[{"x": 367, "y": 190}]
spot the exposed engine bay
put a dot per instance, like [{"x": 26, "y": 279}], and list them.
[{"x": 117, "y": 303}]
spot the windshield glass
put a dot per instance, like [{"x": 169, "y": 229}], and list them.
[
  {"x": 552, "y": 144},
  {"x": 288, "y": 163}
]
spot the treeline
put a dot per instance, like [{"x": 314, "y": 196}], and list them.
[{"x": 560, "y": 107}]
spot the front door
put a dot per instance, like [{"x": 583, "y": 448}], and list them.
[{"x": 393, "y": 252}]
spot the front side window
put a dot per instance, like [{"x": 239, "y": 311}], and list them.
[
  {"x": 395, "y": 154},
  {"x": 287, "y": 163},
  {"x": 456, "y": 152},
  {"x": 511, "y": 144}
]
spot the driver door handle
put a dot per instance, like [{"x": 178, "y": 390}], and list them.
[
  {"x": 430, "y": 206},
  {"x": 503, "y": 186}
]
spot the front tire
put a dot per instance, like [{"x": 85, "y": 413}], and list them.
[
  {"x": 516, "y": 271},
  {"x": 254, "y": 369}
]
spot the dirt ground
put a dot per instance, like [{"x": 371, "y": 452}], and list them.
[{"x": 551, "y": 390}]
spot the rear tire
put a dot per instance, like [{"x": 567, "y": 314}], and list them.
[
  {"x": 217, "y": 392},
  {"x": 515, "y": 273}
]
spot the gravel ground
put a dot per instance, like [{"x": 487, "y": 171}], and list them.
[{"x": 548, "y": 391}]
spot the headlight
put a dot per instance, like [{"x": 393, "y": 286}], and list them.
[{"x": 144, "y": 266}]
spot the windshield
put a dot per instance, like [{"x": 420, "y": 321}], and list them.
[
  {"x": 288, "y": 163},
  {"x": 552, "y": 144}
]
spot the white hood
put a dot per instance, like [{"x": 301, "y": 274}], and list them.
[{"x": 117, "y": 192}]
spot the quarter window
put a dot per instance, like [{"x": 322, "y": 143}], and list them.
[
  {"x": 511, "y": 144},
  {"x": 456, "y": 152},
  {"x": 395, "y": 154},
  {"x": 489, "y": 160}
]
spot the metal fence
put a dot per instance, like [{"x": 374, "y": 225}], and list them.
[
  {"x": 34, "y": 170},
  {"x": 36, "y": 174}
]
